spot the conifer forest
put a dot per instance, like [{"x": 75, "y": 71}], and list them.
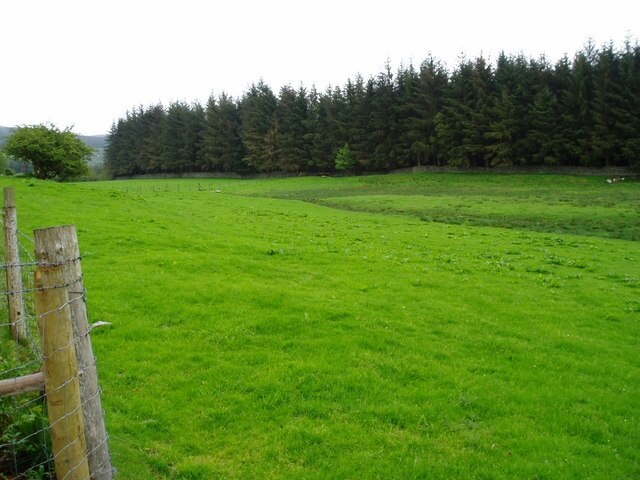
[{"x": 515, "y": 111}]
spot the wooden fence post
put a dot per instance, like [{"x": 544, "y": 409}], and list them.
[
  {"x": 61, "y": 380},
  {"x": 59, "y": 246},
  {"x": 14, "y": 271}
]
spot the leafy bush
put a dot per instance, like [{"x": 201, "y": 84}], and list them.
[
  {"x": 25, "y": 430},
  {"x": 53, "y": 153},
  {"x": 345, "y": 159}
]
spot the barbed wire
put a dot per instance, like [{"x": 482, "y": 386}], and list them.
[
  {"x": 4, "y": 266},
  {"x": 40, "y": 289},
  {"x": 44, "y": 314}
]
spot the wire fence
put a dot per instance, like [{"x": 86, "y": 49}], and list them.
[
  {"x": 176, "y": 187},
  {"x": 47, "y": 398},
  {"x": 25, "y": 441}
]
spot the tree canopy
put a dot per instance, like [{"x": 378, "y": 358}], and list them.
[
  {"x": 515, "y": 111},
  {"x": 53, "y": 153}
]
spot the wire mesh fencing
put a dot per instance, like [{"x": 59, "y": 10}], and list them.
[
  {"x": 51, "y": 418},
  {"x": 25, "y": 443}
]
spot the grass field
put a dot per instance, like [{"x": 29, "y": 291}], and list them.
[{"x": 427, "y": 326}]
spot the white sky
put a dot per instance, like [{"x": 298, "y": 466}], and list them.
[{"x": 87, "y": 62}]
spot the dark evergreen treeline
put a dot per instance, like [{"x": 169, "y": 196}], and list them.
[{"x": 583, "y": 111}]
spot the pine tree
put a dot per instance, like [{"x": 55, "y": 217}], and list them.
[
  {"x": 113, "y": 157},
  {"x": 502, "y": 131},
  {"x": 479, "y": 111},
  {"x": 451, "y": 117},
  {"x": 175, "y": 139},
  {"x": 357, "y": 114},
  {"x": 428, "y": 99},
  {"x": 312, "y": 129},
  {"x": 123, "y": 145},
  {"x": 568, "y": 126},
  {"x": 383, "y": 126},
  {"x": 194, "y": 137},
  {"x": 578, "y": 107},
  {"x": 258, "y": 127},
  {"x": 608, "y": 108},
  {"x": 222, "y": 145},
  {"x": 329, "y": 130},
  {"x": 630, "y": 121},
  {"x": 409, "y": 146},
  {"x": 291, "y": 118},
  {"x": 544, "y": 138},
  {"x": 150, "y": 155}
]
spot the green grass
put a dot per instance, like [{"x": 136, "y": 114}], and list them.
[
  {"x": 545, "y": 203},
  {"x": 424, "y": 326}
]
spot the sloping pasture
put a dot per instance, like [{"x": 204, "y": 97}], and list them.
[{"x": 409, "y": 326}]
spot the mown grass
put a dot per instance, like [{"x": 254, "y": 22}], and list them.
[{"x": 259, "y": 336}]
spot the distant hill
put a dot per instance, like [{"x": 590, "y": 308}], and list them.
[
  {"x": 93, "y": 141},
  {"x": 4, "y": 133}
]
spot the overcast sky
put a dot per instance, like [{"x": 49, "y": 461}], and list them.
[{"x": 86, "y": 62}]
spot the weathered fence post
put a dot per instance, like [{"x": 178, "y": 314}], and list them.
[
  {"x": 60, "y": 369},
  {"x": 14, "y": 272},
  {"x": 59, "y": 246}
]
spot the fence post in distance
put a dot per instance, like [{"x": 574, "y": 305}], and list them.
[{"x": 14, "y": 272}]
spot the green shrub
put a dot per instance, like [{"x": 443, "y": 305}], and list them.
[
  {"x": 345, "y": 159},
  {"x": 25, "y": 429}
]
